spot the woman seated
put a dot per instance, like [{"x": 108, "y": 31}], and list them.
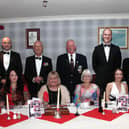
[
  {"x": 116, "y": 88},
  {"x": 48, "y": 92},
  {"x": 87, "y": 91},
  {"x": 17, "y": 92}
]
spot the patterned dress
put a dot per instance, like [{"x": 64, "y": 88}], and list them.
[{"x": 86, "y": 95}]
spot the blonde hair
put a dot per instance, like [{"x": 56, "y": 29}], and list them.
[
  {"x": 53, "y": 73},
  {"x": 86, "y": 72}
]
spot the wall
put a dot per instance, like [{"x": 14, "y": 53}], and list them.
[{"x": 55, "y": 33}]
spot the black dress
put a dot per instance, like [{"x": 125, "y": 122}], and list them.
[{"x": 53, "y": 96}]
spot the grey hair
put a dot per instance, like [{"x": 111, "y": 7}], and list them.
[{"x": 85, "y": 72}]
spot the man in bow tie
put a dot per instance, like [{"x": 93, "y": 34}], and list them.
[
  {"x": 70, "y": 66},
  {"x": 37, "y": 68},
  {"x": 9, "y": 60},
  {"x": 106, "y": 59}
]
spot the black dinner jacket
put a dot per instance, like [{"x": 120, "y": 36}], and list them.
[
  {"x": 64, "y": 69},
  {"x": 30, "y": 68},
  {"x": 125, "y": 67},
  {"x": 105, "y": 70},
  {"x": 15, "y": 64}
]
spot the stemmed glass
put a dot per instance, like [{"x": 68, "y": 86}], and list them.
[
  {"x": 77, "y": 107},
  {"x": 77, "y": 104},
  {"x": 18, "y": 102}
]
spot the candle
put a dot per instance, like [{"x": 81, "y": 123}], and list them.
[
  {"x": 58, "y": 97},
  {"x": 103, "y": 101},
  {"x": 104, "y": 97},
  {"x": 7, "y": 104}
]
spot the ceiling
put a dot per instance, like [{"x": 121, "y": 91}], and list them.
[{"x": 32, "y": 8}]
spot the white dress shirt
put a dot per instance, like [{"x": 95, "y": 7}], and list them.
[
  {"x": 38, "y": 64},
  {"x": 107, "y": 52},
  {"x": 73, "y": 56},
  {"x": 6, "y": 60}
]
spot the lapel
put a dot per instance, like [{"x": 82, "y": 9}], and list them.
[
  {"x": 66, "y": 59},
  {"x": 34, "y": 65},
  {"x": 1, "y": 57},
  {"x": 102, "y": 51},
  {"x": 77, "y": 61},
  {"x": 11, "y": 60},
  {"x": 2, "y": 63},
  {"x": 67, "y": 62},
  {"x": 41, "y": 65},
  {"x": 110, "y": 54},
  {"x": 1, "y": 60}
]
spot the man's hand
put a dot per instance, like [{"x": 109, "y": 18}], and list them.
[
  {"x": 3, "y": 81},
  {"x": 38, "y": 79}
]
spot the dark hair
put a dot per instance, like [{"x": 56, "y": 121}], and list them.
[
  {"x": 19, "y": 87},
  {"x": 117, "y": 70}
]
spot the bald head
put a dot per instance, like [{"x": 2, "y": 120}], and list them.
[
  {"x": 6, "y": 43},
  {"x": 70, "y": 46},
  {"x": 107, "y": 35},
  {"x": 38, "y": 48}
]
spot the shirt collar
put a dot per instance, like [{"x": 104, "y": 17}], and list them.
[
  {"x": 71, "y": 54},
  {"x": 106, "y": 43},
  {"x": 38, "y": 56}
]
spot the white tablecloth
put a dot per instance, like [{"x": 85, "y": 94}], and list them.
[{"x": 80, "y": 122}]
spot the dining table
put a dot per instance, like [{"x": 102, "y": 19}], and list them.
[{"x": 89, "y": 118}]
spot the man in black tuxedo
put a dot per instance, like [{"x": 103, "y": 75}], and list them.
[
  {"x": 126, "y": 70},
  {"x": 106, "y": 59},
  {"x": 9, "y": 60},
  {"x": 36, "y": 69},
  {"x": 70, "y": 66}
]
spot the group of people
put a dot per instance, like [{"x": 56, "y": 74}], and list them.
[{"x": 72, "y": 75}]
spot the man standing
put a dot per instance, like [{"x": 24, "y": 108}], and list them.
[
  {"x": 9, "y": 60},
  {"x": 70, "y": 66},
  {"x": 36, "y": 69},
  {"x": 126, "y": 70},
  {"x": 106, "y": 59}
]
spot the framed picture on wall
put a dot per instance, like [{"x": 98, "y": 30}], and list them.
[
  {"x": 119, "y": 36},
  {"x": 31, "y": 36}
]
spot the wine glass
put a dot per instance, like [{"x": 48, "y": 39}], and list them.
[{"x": 77, "y": 104}]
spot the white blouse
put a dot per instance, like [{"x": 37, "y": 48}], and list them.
[{"x": 115, "y": 92}]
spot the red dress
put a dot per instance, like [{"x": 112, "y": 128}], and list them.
[{"x": 18, "y": 97}]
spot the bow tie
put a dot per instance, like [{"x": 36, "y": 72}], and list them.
[
  {"x": 5, "y": 52},
  {"x": 38, "y": 58},
  {"x": 107, "y": 45}
]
